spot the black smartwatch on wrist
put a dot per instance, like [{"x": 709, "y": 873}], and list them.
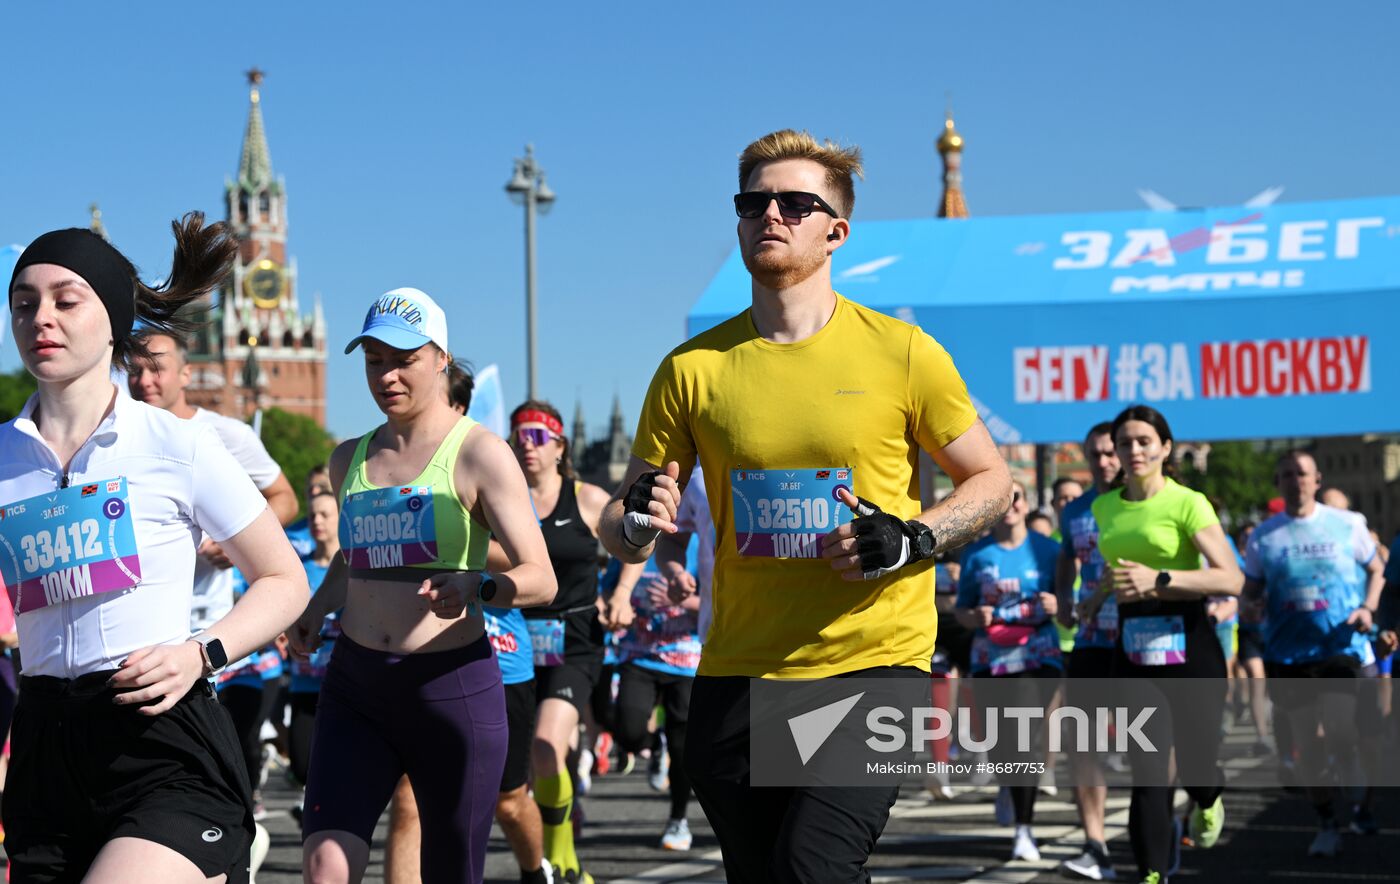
[
  {"x": 1164, "y": 579},
  {"x": 487, "y": 591},
  {"x": 921, "y": 541}
]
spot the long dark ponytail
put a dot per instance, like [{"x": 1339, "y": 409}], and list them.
[{"x": 203, "y": 259}]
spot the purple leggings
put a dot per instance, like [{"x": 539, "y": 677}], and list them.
[{"x": 438, "y": 717}]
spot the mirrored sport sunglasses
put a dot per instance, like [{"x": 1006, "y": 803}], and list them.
[
  {"x": 536, "y": 436},
  {"x": 791, "y": 203}
]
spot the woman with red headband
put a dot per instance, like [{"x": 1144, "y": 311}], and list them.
[{"x": 567, "y": 634}]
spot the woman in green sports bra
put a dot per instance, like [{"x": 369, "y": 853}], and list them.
[{"x": 413, "y": 686}]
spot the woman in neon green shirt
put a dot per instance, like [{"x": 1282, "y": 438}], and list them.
[{"x": 1152, "y": 534}]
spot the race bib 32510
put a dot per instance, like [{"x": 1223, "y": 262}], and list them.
[
  {"x": 75, "y": 542},
  {"x": 785, "y": 513}
]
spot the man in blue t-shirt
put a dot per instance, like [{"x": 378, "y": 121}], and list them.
[{"x": 1301, "y": 576}]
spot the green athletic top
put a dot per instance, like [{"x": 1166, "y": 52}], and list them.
[{"x": 461, "y": 541}]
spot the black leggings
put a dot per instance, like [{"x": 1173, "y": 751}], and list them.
[
  {"x": 1192, "y": 696},
  {"x": 299, "y": 734},
  {"x": 636, "y": 697},
  {"x": 1027, "y": 690},
  {"x": 249, "y": 708}
]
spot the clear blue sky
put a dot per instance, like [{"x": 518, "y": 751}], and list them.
[{"x": 395, "y": 126}]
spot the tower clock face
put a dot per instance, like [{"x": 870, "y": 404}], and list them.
[{"x": 265, "y": 282}]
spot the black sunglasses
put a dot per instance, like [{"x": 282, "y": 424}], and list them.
[{"x": 792, "y": 203}]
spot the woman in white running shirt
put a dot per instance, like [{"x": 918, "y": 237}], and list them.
[{"x": 124, "y": 766}]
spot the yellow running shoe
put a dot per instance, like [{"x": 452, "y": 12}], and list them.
[{"x": 1206, "y": 823}]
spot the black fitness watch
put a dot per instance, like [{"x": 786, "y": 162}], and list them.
[
  {"x": 487, "y": 591},
  {"x": 1164, "y": 579},
  {"x": 921, "y": 542},
  {"x": 212, "y": 650}
]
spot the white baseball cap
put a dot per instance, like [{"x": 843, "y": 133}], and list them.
[{"x": 405, "y": 319}]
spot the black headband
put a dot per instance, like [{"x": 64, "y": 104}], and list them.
[{"x": 99, "y": 264}]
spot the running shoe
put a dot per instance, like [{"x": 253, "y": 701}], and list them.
[
  {"x": 576, "y": 876},
  {"x": 1117, "y": 762},
  {"x": 677, "y": 836},
  {"x": 1206, "y": 823},
  {"x": 259, "y": 809},
  {"x": 602, "y": 751},
  {"x": 1328, "y": 842},
  {"x": 262, "y": 841},
  {"x": 1154, "y": 878},
  {"x": 659, "y": 771},
  {"x": 1090, "y": 866},
  {"x": 1023, "y": 846},
  {"x": 1005, "y": 811},
  {"x": 543, "y": 875},
  {"x": 1362, "y": 822},
  {"x": 938, "y": 786},
  {"x": 629, "y": 762},
  {"x": 1047, "y": 783}
]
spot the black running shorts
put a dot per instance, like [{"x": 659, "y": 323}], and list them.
[{"x": 84, "y": 771}]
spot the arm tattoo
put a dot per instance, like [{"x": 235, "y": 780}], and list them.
[{"x": 960, "y": 521}]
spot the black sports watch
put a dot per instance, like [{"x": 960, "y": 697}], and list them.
[
  {"x": 1164, "y": 579},
  {"x": 212, "y": 650},
  {"x": 487, "y": 591},
  {"x": 921, "y": 541}
]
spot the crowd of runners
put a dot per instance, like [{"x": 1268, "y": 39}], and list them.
[{"x": 461, "y": 632}]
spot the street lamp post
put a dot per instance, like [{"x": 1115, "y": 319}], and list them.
[{"x": 528, "y": 187}]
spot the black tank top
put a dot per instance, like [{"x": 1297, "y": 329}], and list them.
[{"x": 573, "y": 551}]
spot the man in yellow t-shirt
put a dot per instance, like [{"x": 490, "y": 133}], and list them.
[{"x": 804, "y": 390}]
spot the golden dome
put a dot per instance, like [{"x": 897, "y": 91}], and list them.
[{"x": 950, "y": 140}]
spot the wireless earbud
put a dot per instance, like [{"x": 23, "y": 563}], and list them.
[{"x": 832, "y": 237}]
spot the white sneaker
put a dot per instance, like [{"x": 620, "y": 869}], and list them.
[
  {"x": 1047, "y": 783},
  {"x": 938, "y": 787},
  {"x": 659, "y": 771},
  {"x": 1023, "y": 846},
  {"x": 261, "y": 842},
  {"x": 1087, "y": 865},
  {"x": 544, "y": 867},
  {"x": 1005, "y": 810},
  {"x": 677, "y": 836},
  {"x": 1328, "y": 842}
]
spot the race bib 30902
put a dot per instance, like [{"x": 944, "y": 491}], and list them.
[
  {"x": 389, "y": 527},
  {"x": 75, "y": 542},
  {"x": 785, "y": 513}
]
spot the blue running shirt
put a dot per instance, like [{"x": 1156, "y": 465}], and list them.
[
  {"x": 1312, "y": 584},
  {"x": 1009, "y": 580}
]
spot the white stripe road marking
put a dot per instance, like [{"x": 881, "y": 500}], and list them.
[{"x": 682, "y": 871}]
